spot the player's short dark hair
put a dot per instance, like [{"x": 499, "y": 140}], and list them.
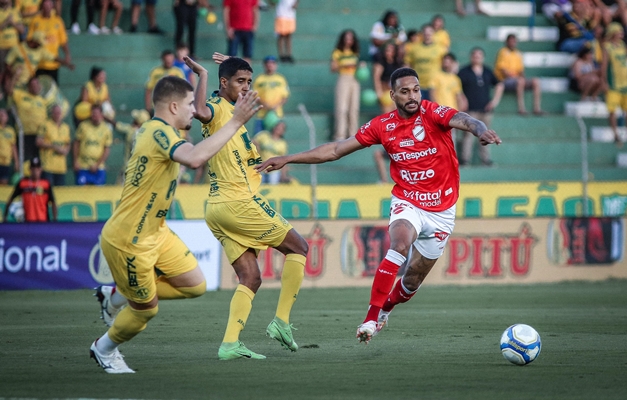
[
  {"x": 451, "y": 56},
  {"x": 477, "y": 48},
  {"x": 170, "y": 87},
  {"x": 231, "y": 65},
  {"x": 166, "y": 53},
  {"x": 401, "y": 73}
]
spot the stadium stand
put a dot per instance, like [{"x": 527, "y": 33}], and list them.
[{"x": 535, "y": 148}]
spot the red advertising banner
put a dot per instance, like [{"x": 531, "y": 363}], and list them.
[{"x": 496, "y": 251}]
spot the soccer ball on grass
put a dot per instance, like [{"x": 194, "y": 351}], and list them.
[{"x": 520, "y": 344}]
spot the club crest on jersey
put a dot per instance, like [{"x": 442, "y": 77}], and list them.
[
  {"x": 441, "y": 236},
  {"x": 419, "y": 132}
]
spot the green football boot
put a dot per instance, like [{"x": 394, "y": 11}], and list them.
[
  {"x": 282, "y": 332},
  {"x": 233, "y": 351}
]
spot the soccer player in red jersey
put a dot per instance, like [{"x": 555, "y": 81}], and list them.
[{"x": 424, "y": 168}]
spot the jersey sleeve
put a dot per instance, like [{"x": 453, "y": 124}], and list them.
[
  {"x": 440, "y": 115},
  {"x": 166, "y": 142},
  {"x": 368, "y": 134},
  {"x": 150, "y": 83},
  {"x": 108, "y": 138}
]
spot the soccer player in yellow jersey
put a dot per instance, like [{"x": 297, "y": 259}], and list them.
[
  {"x": 166, "y": 68},
  {"x": 273, "y": 92},
  {"x": 136, "y": 241},
  {"x": 426, "y": 59},
  {"x": 53, "y": 141},
  {"x": 614, "y": 69},
  {"x": 240, "y": 217}
]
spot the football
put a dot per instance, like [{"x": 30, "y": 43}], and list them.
[{"x": 520, "y": 344}]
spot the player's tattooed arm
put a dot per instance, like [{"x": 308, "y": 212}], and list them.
[{"x": 467, "y": 123}]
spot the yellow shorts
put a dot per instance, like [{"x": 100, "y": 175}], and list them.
[
  {"x": 135, "y": 274},
  {"x": 246, "y": 224},
  {"x": 615, "y": 100},
  {"x": 284, "y": 26}
]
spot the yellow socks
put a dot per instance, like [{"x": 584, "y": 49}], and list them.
[
  {"x": 292, "y": 277},
  {"x": 241, "y": 304},
  {"x": 165, "y": 291},
  {"x": 129, "y": 323}
]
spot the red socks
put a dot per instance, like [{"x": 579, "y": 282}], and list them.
[
  {"x": 398, "y": 295},
  {"x": 383, "y": 282}
]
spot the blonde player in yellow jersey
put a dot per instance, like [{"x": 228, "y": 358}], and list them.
[
  {"x": 240, "y": 217},
  {"x": 614, "y": 70},
  {"x": 136, "y": 241}
]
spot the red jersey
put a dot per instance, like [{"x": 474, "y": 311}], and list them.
[
  {"x": 423, "y": 162},
  {"x": 35, "y": 198},
  {"x": 241, "y": 14}
]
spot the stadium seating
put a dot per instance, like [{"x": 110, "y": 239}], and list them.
[{"x": 535, "y": 148}]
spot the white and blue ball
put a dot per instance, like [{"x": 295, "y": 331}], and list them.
[{"x": 520, "y": 344}]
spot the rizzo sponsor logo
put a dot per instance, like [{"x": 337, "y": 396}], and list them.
[
  {"x": 441, "y": 236},
  {"x": 415, "y": 176},
  {"x": 414, "y": 155}
]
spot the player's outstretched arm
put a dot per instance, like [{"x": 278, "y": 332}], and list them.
[
  {"x": 203, "y": 113},
  {"x": 195, "y": 156},
  {"x": 467, "y": 123},
  {"x": 325, "y": 152}
]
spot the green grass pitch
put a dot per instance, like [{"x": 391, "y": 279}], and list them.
[{"x": 444, "y": 344}]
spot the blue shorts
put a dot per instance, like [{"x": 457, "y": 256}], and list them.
[
  {"x": 5, "y": 172},
  {"x": 246, "y": 39},
  {"x": 86, "y": 177},
  {"x": 148, "y": 2}
]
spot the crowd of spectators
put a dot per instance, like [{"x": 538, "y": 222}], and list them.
[{"x": 34, "y": 45}]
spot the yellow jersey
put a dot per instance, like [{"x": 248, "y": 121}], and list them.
[
  {"x": 346, "y": 60},
  {"x": 96, "y": 95},
  {"x": 617, "y": 66},
  {"x": 54, "y": 31},
  {"x": 442, "y": 38},
  {"x": 31, "y": 109},
  {"x": 446, "y": 86},
  {"x": 138, "y": 223},
  {"x": 232, "y": 174},
  {"x": 57, "y": 135},
  {"x": 7, "y": 141},
  {"x": 426, "y": 60},
  {"x": 159, "y": 72},
  {"x": 28, "y": 59},
  {"x": 27, "y": 7},
  {"x": 272, "y": 89},
  {"x": 9, "y": 36},
  {"x": 93, "y": 139},
  {"x": 270, "y": 147},
  {"x": 509, "y": 60}
]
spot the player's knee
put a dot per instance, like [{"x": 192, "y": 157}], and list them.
[
  {"x": 194, "y": 291},
  {"x": 401, "y": 248}
]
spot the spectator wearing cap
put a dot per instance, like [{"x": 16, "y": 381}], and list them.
[
  {"x": 273, "y": 92},
  {"x": 241, "y": 19},
  {"x": 36, "y": 193},
  {"x": 129, "y": 131},
  {"x": 53, "y": 141},
  {"x": 52, "y": 27},
  {"x": 166, "y": 68},
  {"x": 8, "y": 148},
  {"x": 32, "y": 112},
  {"x": 91, "y": 149}
]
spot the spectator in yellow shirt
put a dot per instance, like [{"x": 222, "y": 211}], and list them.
[
  {"x": 426, "y": 59},
  {"x": 52, "y": 27},
  {"x": 166, "y": 68},
  {"x": 509, "y": 68},
  {"x": 273, "y": 92},
  {"x": 129, "y": 131},
  {"x": 440, "y": 35},
  {"x": 23, "y": 59},
  {"x": 53, "y": 141},
  {"x": 91, "y": 149},
  {"x": 11, "y": 28},
  {"x": 32, "y": 112},
  {"x": 271, "y": 143},
  {"x": 344, "y": 61},
  {"x": 8, "y": 148},
  {"x": 28, "y": 9},
  {"x": 446, "y": 87}
]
